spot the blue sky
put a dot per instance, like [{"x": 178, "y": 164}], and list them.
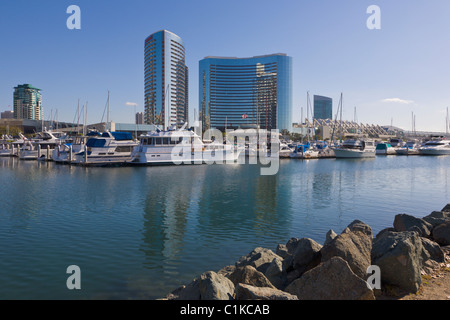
[{"x": 386, "y": 74}]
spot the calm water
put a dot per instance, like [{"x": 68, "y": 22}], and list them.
[{"x": 140, "y": 232}]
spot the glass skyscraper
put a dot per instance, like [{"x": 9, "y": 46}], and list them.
[
  {"x": 166, "y": 80},
  {"x": 323, "y": 107},
  {"x": 238, "y": 92},
  {"x": 27, "y": 102}
]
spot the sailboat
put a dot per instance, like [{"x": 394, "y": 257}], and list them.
[{"x": 306, "y": 151}]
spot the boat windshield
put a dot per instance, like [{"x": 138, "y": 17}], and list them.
[
  {"x": 435, "y": 143},
  {"x": 96, "y": 143},
  {"x": 352, "y": 144}
]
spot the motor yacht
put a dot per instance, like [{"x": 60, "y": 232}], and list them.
[
  {"x": 356, "y": 148},
  {"x": 182, "y": 146},
  {"x": 109, "y": 148},
  {"x": 435, "y": 147}
]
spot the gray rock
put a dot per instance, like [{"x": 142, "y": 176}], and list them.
[
  {"x": 306, "y": 252},
  {"x": 354, "y": 245},
  {"x": 248, "y": 292},
  {"x": 277, "y": 274},
  {"x": 226, "y": 271},
  {"x": 209, "y": 286},
  {"x": 399, "y": 255},
  {"x": 282, "y": 251},
  {"x": 446, "y": 208},
  {"x": 190, "y": 291},
  {"x": 249, "y": 275},
  {"x": 329, "y": 236},
  {"x": 306, "y": 256},
  {"x": 384, "y": 231},
  {"x": 437, "y": 217},
  {"x": 433, "y": 249},
  {"x": 441, "y": 233},
  {"x": 213, "y": 286},
  {"x": 331, "y": 280},
  {"x": 406, "y": 222},
  {"x": 259, "y": 258}
]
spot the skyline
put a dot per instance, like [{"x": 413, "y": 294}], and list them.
[{"x": 386, "y": 74}]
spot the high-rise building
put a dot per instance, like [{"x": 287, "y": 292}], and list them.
[
  {"x": 139, "y": 118},
  {"x": 166, "y": 80},
  {"x": 323, "y": 107},
  {"x": 27, "y": 102},
  {"x": 237, "y": 92}
]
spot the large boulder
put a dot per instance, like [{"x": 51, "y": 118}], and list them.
[
  {"x": 276, "y": 274},
  {"x": 441, "y": 233},
  {"x": 248, "y": 292},
  {"x": 330, "y": 280},
  {"x": 304, "y": 254},
  {"x": 437, "y": 217},
  {"x": 433, "y": 249},
  {"x": 329, "y": 236},
  {"x": 209, "y": 286},
  {"x": 399, "y": 255},
  {"x": 259, "y": 258},
  {"x": 406, "y": 222},
  {"x": 213, "y": 286},
  {"x": 446, "y": 208},
  {"x": 354, "y": 245},
  {"x": 249, "y": 275}
]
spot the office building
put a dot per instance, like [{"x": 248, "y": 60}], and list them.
[
  {"x": 245, "y": 92},
  {"x": 323, "y": 107},
  {"x": 166, "y": 80},
  {"x": 139, "y": 118},
  {"x": 27, "y": 102}
]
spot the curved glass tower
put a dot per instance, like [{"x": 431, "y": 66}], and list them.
[
  {"x": 166, "y": 80},
  {"x": 238, "y": 92}
]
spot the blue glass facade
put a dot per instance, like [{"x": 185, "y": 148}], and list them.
[
  {"x": 166, "y": 80},
  {"x": 235, "y": 92},
  {"x": 323, "y": 107}
]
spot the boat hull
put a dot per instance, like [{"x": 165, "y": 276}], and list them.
[
  {"x": 434, "y": 152},
  {"x": 343, "y": 153}
]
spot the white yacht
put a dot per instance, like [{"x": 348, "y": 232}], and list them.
[
  {"x": 304, "y": 152},
  {"x": 284, "y": 151},
  {"x": 385, "y": 149},
  {"x": 181, "y": 146},
  {"x": 435, "y": 147},
  {"x": 356, "y": 148},
  {"x": 65, "y": 153},
  {"x": 41, "y": 146},
  {"x": 110, "y": 148},
  {"x": 409, "y": 148}
]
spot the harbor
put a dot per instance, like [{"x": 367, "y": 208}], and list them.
[
  {"x": 140, "y": 232},
  {"x": 181, "y": 145}
]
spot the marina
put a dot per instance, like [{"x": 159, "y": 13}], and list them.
[{"x": 139, "y": 232}]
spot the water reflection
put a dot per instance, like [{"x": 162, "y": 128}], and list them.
[{"x": 153, "y": 228}]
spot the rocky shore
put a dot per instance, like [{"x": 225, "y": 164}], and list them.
[{"x": 345, "y": 267}]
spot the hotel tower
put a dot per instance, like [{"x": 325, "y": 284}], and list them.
[{"x": 166, "y": 80}]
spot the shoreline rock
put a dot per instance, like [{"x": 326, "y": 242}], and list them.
[{"x": 303, "y": 269}]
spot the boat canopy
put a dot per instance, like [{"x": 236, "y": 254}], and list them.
[
  {"x": 120, "y": 136},
  {"x": 383, "y": 146}
]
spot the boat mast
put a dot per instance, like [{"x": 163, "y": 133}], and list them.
[{"x": 107, "y": 115}]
